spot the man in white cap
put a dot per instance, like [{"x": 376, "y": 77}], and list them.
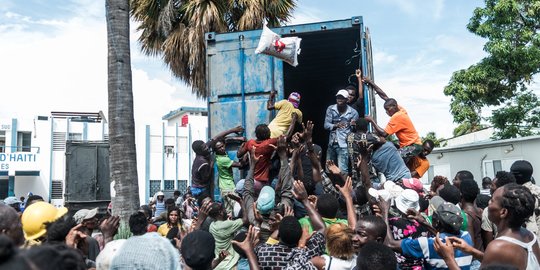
[
  {"x": 88, "y": 220},
  {"x": 339, "y": 120}
]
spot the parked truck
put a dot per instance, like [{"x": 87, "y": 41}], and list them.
[
  {"x": 240, "y": 81},
  {"x": 87, "y": 175}
]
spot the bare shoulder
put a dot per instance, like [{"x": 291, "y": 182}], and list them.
[{"x": 500, "y": 251}]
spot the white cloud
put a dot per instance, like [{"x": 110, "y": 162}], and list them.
[
  {"x": 64, "y": 68},
  {"x": 380, "y": 57},
  {"x": 305, "y": 14},
  {"x": 438, "y": 9},
  {"x": 418, "y": 7}
]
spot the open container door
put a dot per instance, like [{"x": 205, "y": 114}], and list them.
[{"x": 331, "y": 53}]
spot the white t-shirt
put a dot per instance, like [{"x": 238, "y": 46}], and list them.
[{"x": 332, "y": 263}]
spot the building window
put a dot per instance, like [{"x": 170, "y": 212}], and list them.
[
  {"x": 75, "y": 136},
  {"x": 182, "y": 186},
  {"x": 24, "y": 141},
  {"x": 2, "y": 141},
  {"x": 169, "y": 151},
  {"x": 169, "y": 184},
  {"x": 155, "y": 186}
]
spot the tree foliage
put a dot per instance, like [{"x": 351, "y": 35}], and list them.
[
  {"x": 500, "y": 80},
  {"x": 439, "y": 142},
  {"x": 175, "y": 29}
]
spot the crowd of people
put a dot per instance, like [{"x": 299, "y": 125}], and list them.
[{"x": 282, "y": 206}]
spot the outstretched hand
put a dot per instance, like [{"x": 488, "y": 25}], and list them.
[
  {"x": 109, "y": 227},
  {"x": 205, "y": 209},
  {"x": 299, "y": 191},
  {"x": 444, "y": 249},
  {"x": 460, "y": 244},
  {"x": 238, "y": 130},
  {"x": 346, "y": 189},
  {"x": 415, "y": 215},
  {"x": 369, "y": 118},
  {"x": 358, "y": 73},
  {"x": 253, "y": 158},
  {"x": 308, "y": 132},
  {"x": 74, "y": 236},
  {"x": 332, "y": 167},
  {"x": 251, "y": 240}
]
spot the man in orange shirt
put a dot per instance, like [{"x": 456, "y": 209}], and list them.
[
  {"x": 419, "y": 165},
  {"x": 400, "y": 124}
]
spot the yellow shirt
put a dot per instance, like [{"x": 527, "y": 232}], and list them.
[
  {"x": 164, "y": 229},
  {"x": 280, "y": 124}
]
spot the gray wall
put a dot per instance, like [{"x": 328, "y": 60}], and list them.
[{"x": 484, "y": 160}]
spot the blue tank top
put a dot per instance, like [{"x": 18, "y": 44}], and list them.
[{"x": 160, "y": 208}]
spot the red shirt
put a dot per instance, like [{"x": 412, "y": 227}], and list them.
[{"x": 264, "y": 150}]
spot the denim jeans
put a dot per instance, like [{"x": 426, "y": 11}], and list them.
[{"x": 339, "y": 155}]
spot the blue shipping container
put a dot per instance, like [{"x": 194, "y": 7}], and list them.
[{"x": 239, "y": 81}]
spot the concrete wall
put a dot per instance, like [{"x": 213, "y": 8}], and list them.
[
  {"x": 153, "y": 163},
  {"x": 50, "y": 164},
  {"x": 486, "y": 158}
]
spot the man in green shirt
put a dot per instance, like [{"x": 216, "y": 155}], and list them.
[
  {"x": 327, "y": 206},
  {"x": 225, "y": 175}
]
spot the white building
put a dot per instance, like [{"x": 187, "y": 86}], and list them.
[
  {"x": 483, "y": 157},
  {"x": 32, "y": 151},
  {"x": 164, "y": 154}
]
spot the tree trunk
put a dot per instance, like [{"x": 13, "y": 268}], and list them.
[{"x": 122, "y": 157}]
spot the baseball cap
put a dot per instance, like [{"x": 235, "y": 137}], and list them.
[
  {"x": 414, "y": 184},
  {"x": 450, "y": 215},
  {"x": 407, "y": 199},
  {"x": 294, "y": 98},
  {"x": 343, "y": 93},
  {"x": 266, "y": 200},
  {"x": 434, "y": 203},
  {"x": 198, "y": 248},
  {"x": 11, "y": 200},
  {"x": 84, "y": 214}
]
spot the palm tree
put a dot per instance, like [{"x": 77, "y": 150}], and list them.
[
  {"x": 122, "y": 157},
  {"x": 174, "y": 29}
]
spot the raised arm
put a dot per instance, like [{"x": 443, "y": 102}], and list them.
[
  {"x": 360, "y": 84},
  {"x": 221, "y": 135},
  {"x": 316, "y": 166},
  {"x": 296, "y": 164},
  {"x": 300, "y": 193},
  {"x": 362, "y": 163},
  {"x": 271, "y": 101},
  {"x": 389, "y": 241},
  {"x": 285, "y": 178},
  {"x": 377, "y": 128},
  {"x": 346, "y": 191},
  {"x": 290, "y": 131},
  {"x": 251, "y": 240},
  {"x": 377, "y": 89},
  {"x": 248, "y": 193}
]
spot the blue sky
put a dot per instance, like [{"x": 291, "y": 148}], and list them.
[{"x": 53, "y": 56}]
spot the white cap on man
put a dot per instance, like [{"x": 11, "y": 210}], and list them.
[{"x": 343, "y": 93}]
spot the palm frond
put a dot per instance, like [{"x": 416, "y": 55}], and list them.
[{"x": 175, "y": 29}]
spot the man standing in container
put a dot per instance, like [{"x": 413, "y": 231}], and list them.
[
  {"x": 288, "y": 114},
  {"x": 339, "y": 120},
  {"x": 400, "y": 124}
]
